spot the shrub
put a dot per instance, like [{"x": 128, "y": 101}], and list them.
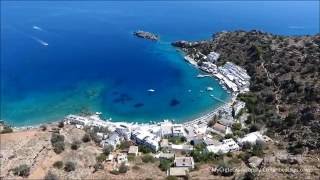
[
  {"x": 148, "y": 158},
  {"x": 75, "y": 145},
  {"x": 107, "y": 150},
  {"x": 55, "y": 137},
  {"x": 236, "y": 126},
  {"x": 135, "y": 167},
  {"x": 171, "y": 178},
  {"x": 249, "y": 176},
  {"x": 58, "y": 147},
  {"x": 43, "y": 127},
  {"x": 123, "y": 168},
  {"x": 177, "y": 140},
  {"x": 131, "y": 157},
  {"x": 97, "y": 167},
  {"x": 6, "y": 129},
  {"x": 58, "y": 164},
  {"x": 124, "y": 145},
  {"x": 86, "y": 138},
  {"x": 164, "y": 164},
  {"x": 61, "y": 124},
  {"x": 115, "y": 172},
  {"x": 228, "y": 136},
  {"x": 50, "y": 176},
  {"x": 144, "y": 149},
  {"x": 102, "y": 157},
  {"x": 257, "y": 150},
  {"x": 70, "y": 166},
  {"x": 22, "y": 170}
]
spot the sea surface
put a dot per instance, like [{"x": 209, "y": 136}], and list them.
[{"x": 69, "y": 57}]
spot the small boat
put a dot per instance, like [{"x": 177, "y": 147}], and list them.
[
  {"x": 203, "y": 75},
  {"x": 209, "y": 88},
  {"x": 151, "y": 90}
]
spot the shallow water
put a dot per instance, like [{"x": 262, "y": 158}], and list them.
[{"x": 66, "y": 57}]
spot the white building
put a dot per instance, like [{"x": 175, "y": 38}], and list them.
[
  {"x": 113, "y": 140},
  {"x": 133, "y": 150},
  {"x": 178, "y": 130},
  {"x": 74, "y": 119},
  {"x": 213, "y": 57},
  {"x": 227, "y": 145},
  {"x": 181, "y": 148},
  {"x": 124, "y": 131},
  {"x": 184, "y": 162},
  {"x": 166, "y": 129},
  {"x": 208, "y": 67},
  {"x": 144, "y": 137},
  {"x": 253, "y": 138}
]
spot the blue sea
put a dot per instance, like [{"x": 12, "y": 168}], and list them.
[{"x": 62, "y": 57}]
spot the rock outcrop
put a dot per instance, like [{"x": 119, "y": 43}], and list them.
[{"x": 146, "y": 35}]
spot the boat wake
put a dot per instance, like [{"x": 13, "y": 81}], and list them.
[
  {"x": 40, "y": 41},
  {"x": 37, "y": 28}
]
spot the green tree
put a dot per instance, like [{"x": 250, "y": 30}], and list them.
[
  {"x": 86, "y": 138},
  {"x": 70, "y": 166},
  {"x": 51, "y": 176},
  {"x": 107, "y": 150},
  {"x": 75, "y": 145},
  {"x": 123, "y": 168},
  {"x": 22, "y": 170},
  {"x": 58, "y": 164},
  {"x": 148, "y": 158},
  {"x": 165, "y": 164}
]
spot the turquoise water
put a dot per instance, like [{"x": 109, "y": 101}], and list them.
[{"x": 66, "y": 57}]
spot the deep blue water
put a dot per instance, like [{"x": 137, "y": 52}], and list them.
[{"x": 92, "y": 61}]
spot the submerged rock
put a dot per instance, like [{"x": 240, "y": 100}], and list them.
[
  {"x": 123, "y": 98},
  {"x": 174, "y": 102},
  {"x": 138, "y": 105},
  {"x": 146, "y": 35}
]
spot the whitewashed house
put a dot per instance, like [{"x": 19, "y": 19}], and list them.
[
  {"x": 253, "y": 138},
  {"x": 178, "y": 130},
  {"x": 166, "y": 129},
  {"x": 184, "y": 162},
  {"x": 227, "y": 145},
  {"x": 133, "y": 150},
  {"x": 213, "y": 57},
  {"x": 74, "y": 119},
  {"x": 113, "y": 140},
  {"x": 124, "y": 131},
  {"x": 146, "y": 138}
]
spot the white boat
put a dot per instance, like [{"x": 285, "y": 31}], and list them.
[
  {"x": 209, "y": 88},
  {"x": 37, "y": 28},
  {"x": 151, "y": 90}
]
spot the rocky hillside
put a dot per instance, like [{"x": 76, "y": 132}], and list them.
[{"x": 285, "y": 83}]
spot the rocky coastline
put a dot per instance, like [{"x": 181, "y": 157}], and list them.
[{"x": 284, "y": 86}]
